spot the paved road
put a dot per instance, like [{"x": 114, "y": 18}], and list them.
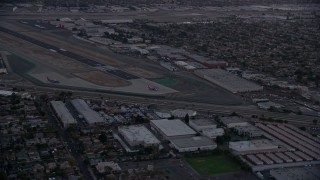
[
  {"x": 247, "y": 111},
  {"x": 70, "y": 145}
]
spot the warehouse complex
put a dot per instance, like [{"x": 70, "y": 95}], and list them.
[
  {"x": 138, "y": 135},
  {"x": 288, "y": 146},
  {"x": 195, "y": 143},
  {"x": 234, "y": 121},
  {"x": 206, "y": 127},
  {"x": 181, "y": 113},
  {"x": 254, "y": 145},
  {"x": 250, "y": 131},
  {"x": 201, "y": 124},
  {"x": 170, "y": 129},
  {"x": 296, "y": 173},
  {"x": 89, "y": 115},
  {"x": 227, "y": 80},
  {"x": 63, "y": 113},
  {"x": 212, "y": 133}
]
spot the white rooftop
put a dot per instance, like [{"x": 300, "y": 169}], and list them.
[
  {"x": 232, "y": 119},
  {"x": 6, "y": 93},
  {"x": 228, "y": 80},
  {"x": 138, "y": 133},
  {"x": 254, "y": 145},
  {"x": 213, "y": 133},
  {"x": 173, "y": 127},
  {"x": 89, "y": 115},
  {"x": 63, "y": 112},
  {"x": 181, "y": 113}
]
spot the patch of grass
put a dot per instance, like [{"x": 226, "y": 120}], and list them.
[
  {"x": 166, "y": 81},
  {"x": 211, "y": 165},
  {"x": 19, "y": 65}
]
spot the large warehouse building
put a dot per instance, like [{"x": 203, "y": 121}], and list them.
[
  {"x": 195, "y": 143},
  {"x": 63, "y": 113},
  {"x": 234, "y": 121},
  {"x": 170, "y": 129},
  {"x": 252, "y": 146},
  {"x": 89, "y": 115},
  {"x": 136, "y": 135},
  {"x": 201, "y": 124},
  {"x": 227, "y": 80}
]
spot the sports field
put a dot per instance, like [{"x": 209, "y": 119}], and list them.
[{"x": 211, "y": 165}]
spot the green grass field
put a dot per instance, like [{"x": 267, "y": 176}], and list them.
[{"x": 211, "y": 165}]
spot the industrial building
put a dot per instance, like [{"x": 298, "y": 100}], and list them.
[
  {"x": 200, "y": 124},
  {"x": 117, "y": 21},
  {"x": 250, "y": 131},
  {"x": 234, "y": 121},
  {"x": 254, "y": 159},
  {"x": 138, "y": 135},
  {"x": 296, "y": 173},
  {"x": 170, "y": 129},
  {"x": 63, "y": 113},
  {"x": 305, "y": 145},
  {"x": 254, "y": 145},
  {"x": 213, "y": 133},
  {"x": 195, "y": 143},
  {"x": 89, "y": 115},
  {"x": 264, "y": 158},
  {"x": 229, "y": 81},
  {"x": 181, "y": 113},
  {"x": 6, "y": 93}
]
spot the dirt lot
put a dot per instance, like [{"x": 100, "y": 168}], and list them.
[
  {"x": 102, "y": 79},
  {"x": 141, "y": 73}
]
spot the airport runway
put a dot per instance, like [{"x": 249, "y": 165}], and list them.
[{"x": 87, "y": 61}]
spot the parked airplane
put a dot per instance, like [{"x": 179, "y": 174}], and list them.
[
  {"x": 53, "y": 80},
  {"x": 153, "y": 88}
]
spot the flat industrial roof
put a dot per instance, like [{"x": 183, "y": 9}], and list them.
[
  {"x": 138, "y": 133},
  {"x": 203, "y": 122},
  {"x": 228, "y": 80},
  {"x": 296, "y": 173},
  {"x": 195, "y": 141},
  {"x": 232, "y": 119},
  {"x": 173, "y": 127},
  {"x": 63, "y": 112},
  {"x": 89, "y": 115},
  {"x": 254, "y": 145}
]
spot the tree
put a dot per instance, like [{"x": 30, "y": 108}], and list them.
[
  {"x": 234, "y": 114},
  {"x": 3, "y": 175},
  {"x": 103, "y": 137},
  {"x": 219, "y": 140},
  {"x": 303, "y": 128},
  {"x": 186, "y": 119},
  {"x": 315, "y": 121},
  {"x": 72, "y": 161}
]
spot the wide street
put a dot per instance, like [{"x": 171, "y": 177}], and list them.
[
  {"x": 162, "y": 103},
  {"x": 68, "y": 143}
]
